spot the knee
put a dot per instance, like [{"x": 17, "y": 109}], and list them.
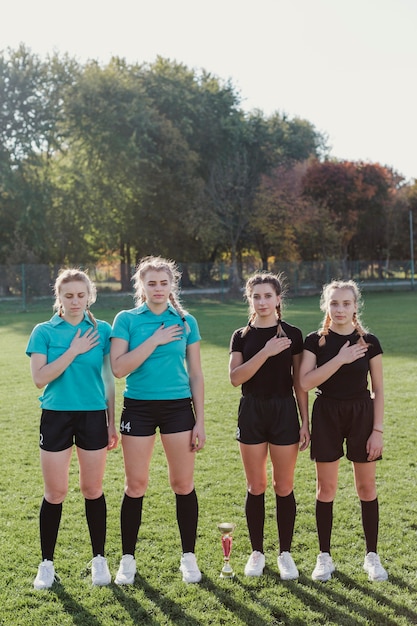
[
  {"x": 326, "y": 491},
  {"x": 182, "y": 487},
  {"x": 91, "y": 492},
  {"x": 136, "y": 488},
  {"x": 283, "y": 488},
  {"x": 366, "y": 492},
  {"x": 257, "y": 488},
  {"x": 55, "y": 496}
]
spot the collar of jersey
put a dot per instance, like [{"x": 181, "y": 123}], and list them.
[
  {"x": 143, "y": 308},
  {"x": 56, "y": 320}
]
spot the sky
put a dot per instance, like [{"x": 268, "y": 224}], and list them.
[{"x": 347, "y": 66}]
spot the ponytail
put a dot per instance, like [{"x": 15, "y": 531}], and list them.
[{"x": 181, "y": 312}]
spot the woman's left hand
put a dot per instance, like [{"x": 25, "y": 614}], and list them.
[
  {"x": 113, "y": 437},
  {"x": 374, "y": 445},
  {"x": 198, "y": 438},
  {"x": 304, "y": 437}
]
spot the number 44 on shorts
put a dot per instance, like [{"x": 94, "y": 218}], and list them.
[{"x": 125, "y": 427}]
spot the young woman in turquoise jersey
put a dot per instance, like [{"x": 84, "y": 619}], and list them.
[
  {"x": 156, "y": 346},
  {"x": 69, "y": 357}
]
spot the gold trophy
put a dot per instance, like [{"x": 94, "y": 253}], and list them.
[{"x": 226, "y": 530}]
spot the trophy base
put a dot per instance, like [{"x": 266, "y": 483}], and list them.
[{"x": 227, "y": 572}]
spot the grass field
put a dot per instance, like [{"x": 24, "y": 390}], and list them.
[{"x": 159, "y": 597}]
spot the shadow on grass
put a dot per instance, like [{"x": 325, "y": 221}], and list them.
[
  {"x": 381, "y": 593},
  {"x": 175, "y": 613},
  {"x": 140, "y": 615},
  {"x": 222, "y": 593},
  {"x": 79, "y": 614},
  {"x": 308, "y": 593}
]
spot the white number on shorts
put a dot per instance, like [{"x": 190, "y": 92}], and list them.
[
  {"x": 125, "y": 427},
  {"x": 41, "y": 440}
]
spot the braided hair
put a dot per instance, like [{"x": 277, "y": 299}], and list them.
[
  {"x": 158, "y": 264},
  {"x": 324, "y": 306},
  {"x": 265, "y": 278},
  {"x": 73, "y": 274}
]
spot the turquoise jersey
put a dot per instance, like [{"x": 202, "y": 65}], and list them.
[
  {"x": 163, "y": 375},
  {"x": 80, "y": 387}
]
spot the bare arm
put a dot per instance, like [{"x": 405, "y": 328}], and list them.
[
  {"x": 312, "y": 376},
  {"x": 240, "y": 372},
  {"x": 374, "y": 444},
  {"x": 108, "y": 380},
  {"x": 44, "y": 372},
  {"x": 302, "y": 401},
  {"x": 124, "y": 361},
  {"x": 195, "y": 373}
]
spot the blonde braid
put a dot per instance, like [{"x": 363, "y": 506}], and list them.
[
  {"x": 91, "y": 316},
  {"x": 360, "y": 330},
  {"x": 181, "y": 312},
  {"x": 324, "y": 330}
]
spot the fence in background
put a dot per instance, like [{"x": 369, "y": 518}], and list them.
[{"x": 27, "y": 282}]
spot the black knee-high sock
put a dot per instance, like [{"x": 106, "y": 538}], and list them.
[
  {"x": 285, "y": 512},
  {"x": 187, "y": 518},
  {"x": 255, "y": 519},
  {"x": 324, "y": 522},
  {"x": 49, "y": 520},
  {"x": 130, "y": 521},
  {"x": 96, "y": 514},
  {"x": 370, "y": 523}
]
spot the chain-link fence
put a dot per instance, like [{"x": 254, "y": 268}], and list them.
[{"x": 27, "y": 282}]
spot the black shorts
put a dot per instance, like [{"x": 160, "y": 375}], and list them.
[
  {"x": 335, "y": 421},
  {"x": 273, "y": 420},
  {"x": 59, "y": 430},
  {"x": 141, "y": 418}
]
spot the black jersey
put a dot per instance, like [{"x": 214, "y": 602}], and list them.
[
  {"x": 351, "y": 379},
  {"x": 274, "y": 377}
]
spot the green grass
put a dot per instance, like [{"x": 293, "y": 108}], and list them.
[{"x": 159, "y": 597}]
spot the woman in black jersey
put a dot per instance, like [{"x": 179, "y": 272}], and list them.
[
  {"x": 337, "y": 360},
  {"x": 265, "y": 358}
]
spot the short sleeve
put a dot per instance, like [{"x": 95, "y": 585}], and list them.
[
  {"x": 194, "y": 334},
  {"x": 311, "y": 343},
  {"x": 37, "y": 341},
  {"x": 120, "y": 328},
  {"x": 236, "y": 342},
  {"x": 374, "y": 346}
]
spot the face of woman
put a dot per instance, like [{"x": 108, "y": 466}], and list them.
[
  {"x": 264, "y": 300},
  {"x": 341, "y": 307},
  {"x": 157, "y": 287},
  {"x": 73, "y": 297}
]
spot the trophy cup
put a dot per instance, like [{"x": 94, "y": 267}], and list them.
[{"x": 226, "y": 530}]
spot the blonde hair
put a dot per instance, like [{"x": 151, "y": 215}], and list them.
[
  {"x": 324, "y": 306},
  {"x": 67, "y": 276},
  {"x": 265, "y": 278},
  {"x": 158, "y": 264}
]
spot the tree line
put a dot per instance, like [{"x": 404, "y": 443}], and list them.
[{"x": 123, "y": 160}]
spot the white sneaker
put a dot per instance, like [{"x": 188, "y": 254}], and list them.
[
  {"x": 100, "y": 574},
  {"x": 324, "y": 567},
  {"x": 189, "y": 568},
  {"x": 287, "y": 568},
  {"x": 127, "y": 570},
  {"x": 372, "y": 566},
  {"x": 45, "y": 576},
  {"x": 255, "y": 565}
]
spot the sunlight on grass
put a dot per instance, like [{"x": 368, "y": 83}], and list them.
[{"x": 159, "y": 597}]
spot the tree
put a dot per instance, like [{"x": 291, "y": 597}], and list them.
[{"x": 30, "y": 118}]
